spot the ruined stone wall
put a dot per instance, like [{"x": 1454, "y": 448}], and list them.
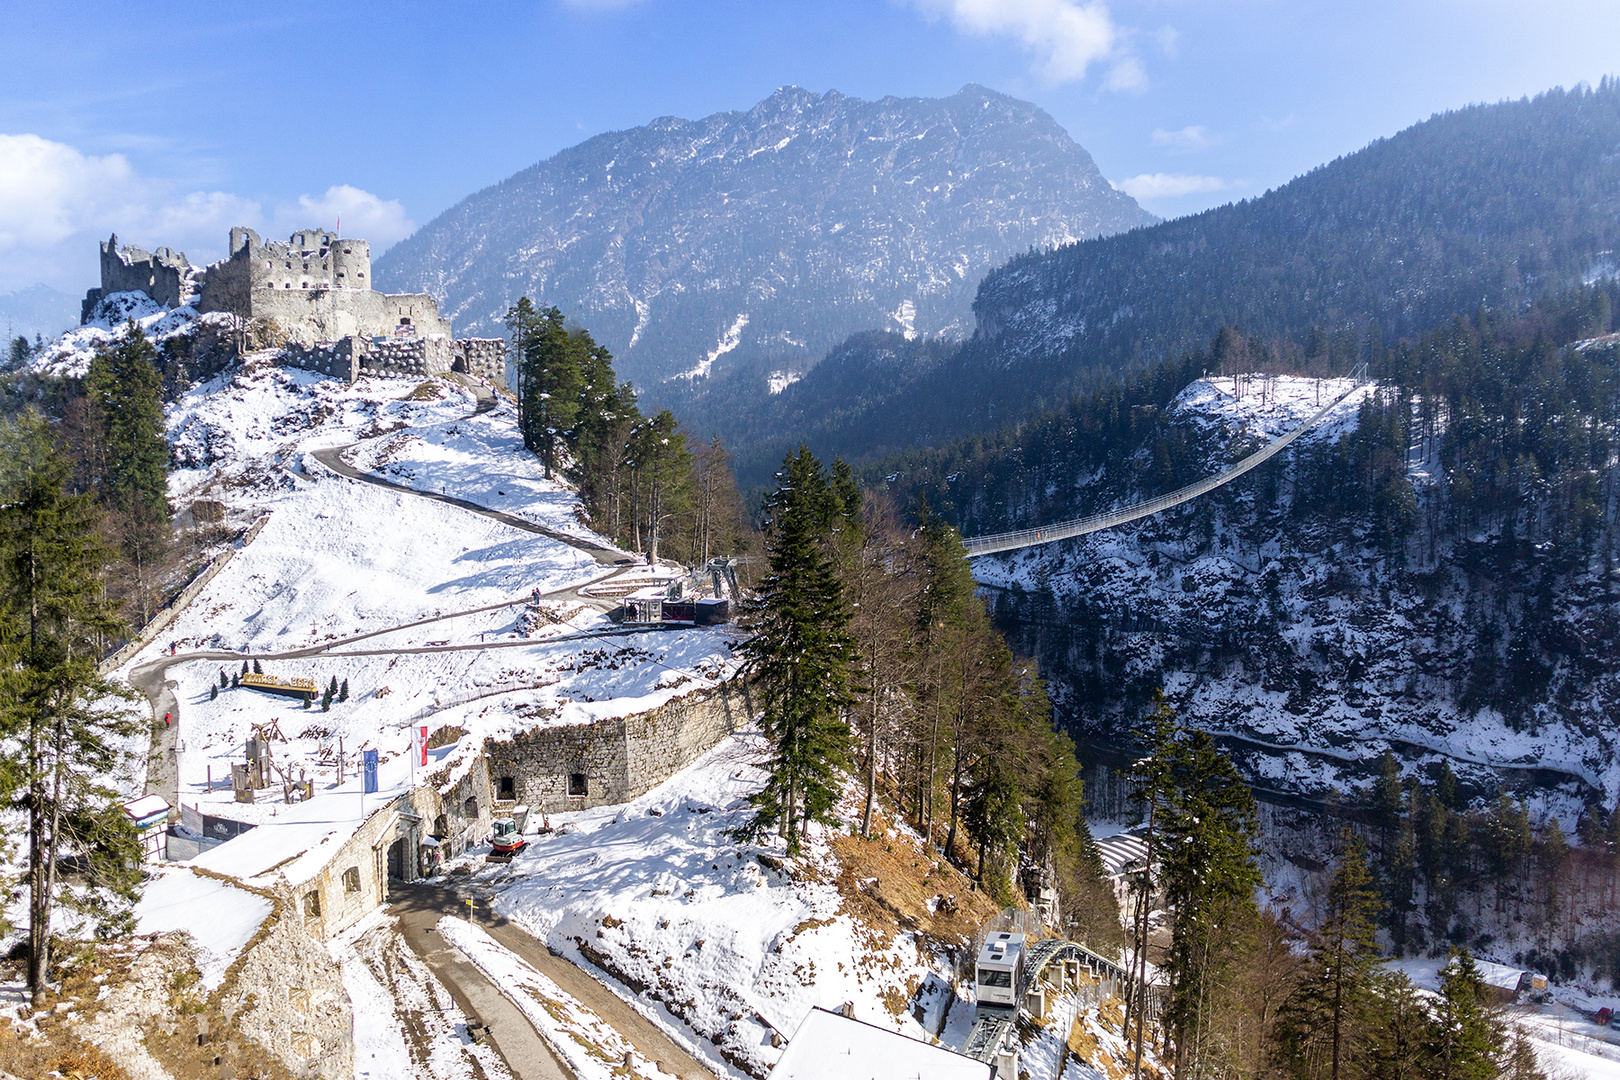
[
  {"x": 286, "y": 993},
  {"x": 618, "y": 758},
  {"x": 483, "y": 358},
  {"x": 413, "y": 357},
  {"x": 664, "y": 741},
  {"x": 320, "y": 314},
  {"x": 161, "y": 275},
  {"x": 355, "y": 880},
  {"x": 339, "y": 359}
]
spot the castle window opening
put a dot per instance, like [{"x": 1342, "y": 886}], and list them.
[
  {"x": 441, "y": 826},
  {"x": 576, "y": 784},
  {"x": 508, "y": 789},
  {"x": 351, "y": 880},
  {"x": 469, "y": 809},
  {"x": 312, "y": 904}
]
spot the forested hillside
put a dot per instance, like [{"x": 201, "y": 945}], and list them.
[
  {"x": 1493, "y": 205},
  {"x": 1419, "y": 599}
]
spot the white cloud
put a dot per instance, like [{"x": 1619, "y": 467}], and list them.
[
  {"x": 1185, "y": 141},
  {"x": 1174, "y": 185},
  {"x": 381, "y": 221},
  {"x": 57, "y": 202},
  {"x": 1065, "y": 37},
  {"x": 1169, "y": 40}
]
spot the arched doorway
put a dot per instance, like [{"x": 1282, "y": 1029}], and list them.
[{"x": 396, "y": 861}]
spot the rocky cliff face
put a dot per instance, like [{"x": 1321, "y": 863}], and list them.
[{"x": 767, "y": 235}]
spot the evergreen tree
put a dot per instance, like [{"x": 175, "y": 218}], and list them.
[
  {"x": 125, "y": 390},
  {"x": 343, "y": 691},
  {"x": 63, "y": 740},
  {"x": 213, "y": 693},
  {"x": 326, "y": 700},
  {"x": 550, "y": 365},
  {"x": 224, "y": 681},
  {"x": 1466, "y": 1042},
  {"x": 801, "y": 651},
  {"x": 257, "y": 669},
  {"x": 1324, "y": 1019}
]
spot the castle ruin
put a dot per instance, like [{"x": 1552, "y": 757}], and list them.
[{"x": 315, "y": 288}]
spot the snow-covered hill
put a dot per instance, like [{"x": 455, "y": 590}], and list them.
[{"x": 1291, "y": 636}]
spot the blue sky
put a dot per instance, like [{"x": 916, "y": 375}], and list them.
[{"x": 170, "y": 122}]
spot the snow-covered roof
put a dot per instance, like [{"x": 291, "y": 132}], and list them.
[
  {"x": 1122, "y": 852},
  {"x": 146, "y": 806},
  {"x": 221, "y": 918},
  {"x": 829, "y": 1046}
]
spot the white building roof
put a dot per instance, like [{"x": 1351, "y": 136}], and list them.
[
  {"x": 1121, "y": 853},
  {"x": 146, "y": 806},
  {"x": 829, "y": 1046}
]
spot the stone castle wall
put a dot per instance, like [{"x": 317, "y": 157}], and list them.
[
  {"x": 162, "y": 275},
  {"x": 411, "y": 357},
  {"x": 338, "y": 359},
  {"x": 286, "y": 993},
  {"x": 618, "y": 758},
  {"x": 483, "y": 358}
]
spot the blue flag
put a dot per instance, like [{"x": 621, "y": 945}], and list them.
[{"x": 370, "y": 772}]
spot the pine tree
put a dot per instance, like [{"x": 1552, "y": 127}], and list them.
[
  {"x": 1467, "y": 1037},
  {"x": 551, "y": 374},
  {"x": 236, "y": 681},
  {"x": 125, "y": 391},
  {"x": 801, "y": 651},
  {"x": 52, "y": 615},
  {"x": 213, "y": 693},
  {"x": 343, "y": 691},
  {"x": 326, "y": 700},
  {"x": 224, "y": 681},
  {"x": 1325, "y": 1017},
  {"x": 257, "y": 669},
  {"x": 332, "y": 687},
  {"x": 244, "y": 667}
]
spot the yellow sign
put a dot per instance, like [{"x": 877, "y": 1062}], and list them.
[{"x": 266, "y": 682}]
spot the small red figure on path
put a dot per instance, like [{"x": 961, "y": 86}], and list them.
[{"x": 166, "y": 719}]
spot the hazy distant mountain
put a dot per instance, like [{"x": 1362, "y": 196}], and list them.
[
  {"x": 770, "y": 235},
  {"x": 38, "y": 309}
]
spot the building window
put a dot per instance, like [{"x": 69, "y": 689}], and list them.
[
  {"x": 469, "y": 809},
  {"x": 351, "y": 880},
  {"x": 508, "y": 789},
  {"x": 312, "y": 904},
  {"x": 305, "y": 285},
  {"x": 576, "y": 784}
]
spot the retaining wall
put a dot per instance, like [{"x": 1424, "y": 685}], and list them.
[
  {"x": 483, "y": 358},
  {"x": 162, "y": 619},
  {"x": 619, "y": 758}
]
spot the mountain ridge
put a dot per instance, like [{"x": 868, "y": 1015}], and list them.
[{"x": 768, "y": 234}]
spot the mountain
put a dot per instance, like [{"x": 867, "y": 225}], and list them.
[
  {"x": 1492, "y": 205},
  {"x": 37, "y": 310},
  {"x": 767, "y": 236}
]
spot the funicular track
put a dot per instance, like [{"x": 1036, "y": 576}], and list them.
[
  {"x": 1065, "y": 530},
  {"x": 990, "y": 1031}
]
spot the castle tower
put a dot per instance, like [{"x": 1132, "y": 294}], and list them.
[{"x": 351, "y": 264}]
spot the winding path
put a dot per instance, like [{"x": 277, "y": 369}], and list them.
[{"x": 151, "y": 678}]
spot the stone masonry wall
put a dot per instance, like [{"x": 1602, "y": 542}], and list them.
[
  {"x": 340, "y": 359},
  {"x": 355, "y": 880},
  {"x": 286, "y": 993},
  {"x": 619, "y": 758},
  {"x": 483, "y": 358},
  {"x": 418, "y": 357}
]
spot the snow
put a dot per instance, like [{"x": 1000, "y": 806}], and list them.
[
  {"x": 426, "y": 609},
  {"x": 781, "y": 380},
  {"x": 220, "y": 918},
  {"x": 827, "y": 1046},
  {"x": 69, "y": 355},
  {"x": 592, "y": 1049},
  {"x": 664, "y": 898},
  {"x": 728, "y": 341},
  {"x": 399, "y": 1007}
]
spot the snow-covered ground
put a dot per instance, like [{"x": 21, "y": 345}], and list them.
[
  {"x": 70, "y": 354},
  {"x": 173, "y": 899},
  {"x": 706, "y": 937},
  {"x": 370, "y": 574}
]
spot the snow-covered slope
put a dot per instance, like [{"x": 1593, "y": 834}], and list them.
[{"x": 1290, "y": 635}]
